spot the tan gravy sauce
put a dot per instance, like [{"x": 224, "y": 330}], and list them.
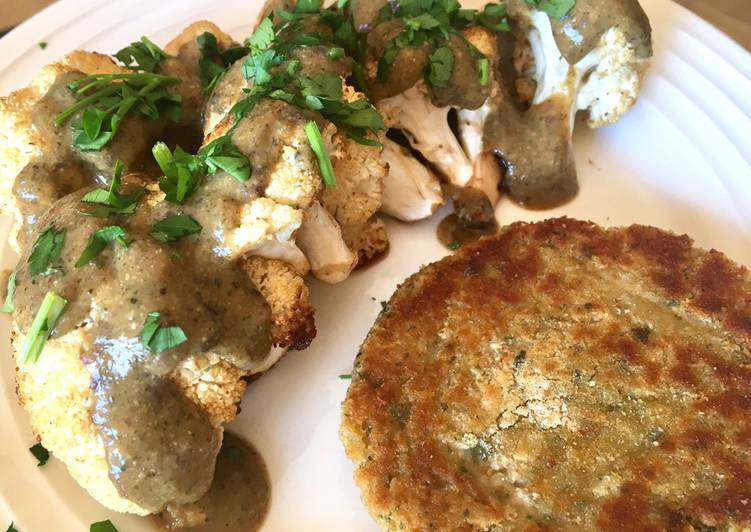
[
  {"x": 580, "y": 31},
  {"x": 238, "y": 499},
  {"x": 453, "y": 233},
  {"x": 160, "y": 446}
]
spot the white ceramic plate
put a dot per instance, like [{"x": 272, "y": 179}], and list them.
[{"x": 681, "y": 160}]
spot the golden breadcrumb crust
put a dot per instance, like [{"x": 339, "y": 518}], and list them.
[
  {"x": 559, "y": 376},
  {"x": 292, "y": 316}
]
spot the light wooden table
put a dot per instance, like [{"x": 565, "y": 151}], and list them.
[{"x": 731, "y": 16}]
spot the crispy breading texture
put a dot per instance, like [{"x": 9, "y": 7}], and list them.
[
  {"x": 292, "y": 316},
  {"x": 559, "y": 376}
]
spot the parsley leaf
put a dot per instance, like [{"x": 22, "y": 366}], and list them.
[
  {"x": 318, "y": 146},
  {"x": 434, "y": 22},
  {"x": 158, "y": 338},
  {"x": 345, "y": 376},
  {"x": 12, "y": 528},
  {"x": 308, "y": 6},
  {"x": 41, "y": 328},
  {"x": 214, "y": 63},
  {"x": 556, "y": 9},
  {"x": 103, "y": 526},
  {"x": 142, "y": 55},
  {"x": 175, "y": 227},
  {"x": 441, "y": 67},
  {"x": 40, "y": 453},
  {"x": 99, "y": 240},
  {"x": 105, "y": 99},
  {"x": 8, "y": 306},
  {"x": 263, "y": 36},
  {"x": 483, "y": 71},
  {"x": 183, "y": 172},
  {"x": 221, "y": 154},
  {"x": 110, "y": 201},
  {"x": 42, "y": 45},
  {"x": 46, "y": 251}
]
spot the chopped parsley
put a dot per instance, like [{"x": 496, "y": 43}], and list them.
[
  {"x": 40, "y": 453},
  {"x": 441, "y": 66},
  {"x": 183, "y": 172},
  {"x": 42, "y": 45},
  {"x": 103, "y": 526},
  {"x": 98, "y": 242},
  {"x": 454, "y": 245},
  {"x": 111, "y": 202},
  {"x": 46, "y": 251},
  {"x": 105, "y": 99},
  {"x": 483, "y": 69},
  {"x": 11, "y": 291},
  {"x": 175, "y": 227},
  {"x": 221, "y": 154},
  {"x": 345, "y": 376},
  {"x": 434, "y": 22},
  {"x": 318, "y": 146},
  {"x": 142, "y": 55},
  {"x": 159, "y": 338},
  {"x": 12, "y": 528},
  {"x": 214, "y": 62},
  {"x": 556, "y": 9},
  {"x": 41, "y": 328}
]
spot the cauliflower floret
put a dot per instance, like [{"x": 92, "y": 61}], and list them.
[
  {"x": 292, "y": 315},
  {"x": 411, "y": 191},
  {"x": 427, "y": 128},
  {"x": 320, "y": 238},
  {"x": 273, "y": 138},
  {"x": 268, "y": 229},
  {"x": 29, "y": 142},
  {"x": 369, "y": 241},
  {"x": 612, "y": 87},
  {"x": 58, "y": 396}
]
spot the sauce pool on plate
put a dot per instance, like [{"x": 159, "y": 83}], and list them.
[{"x": 238, "y": 499}]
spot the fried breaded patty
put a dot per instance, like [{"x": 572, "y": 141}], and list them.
[{"x": 559, "y": 376}]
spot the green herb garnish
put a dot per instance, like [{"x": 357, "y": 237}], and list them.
[
  {"x": 11, "y": 291},
  {"x": 556, "y": 9},
  {"x": 159, "y": 338},
  {"x": 453, "y": 246},
  {"x": 335, "y": 53},
  {"x": 221, "y": 154},
  {"x": 12, "y": 528},
  {"x": 42, "y": 45},
  {"x": 345, "y": 376},
  {"x": 318, "y": 146},
  {"x": 440, "y": 67},
  {"x": 183, "y": 172},
  {"x": 263, "y": 36},
  {"x": 214, "y": 62},
  {"x": 105, "y": 99},
  {"x": 142, "y": 55},
  {"x": 111, "y": 202},
  {"x": 276, "y": 75},
  {"x": 174, "y": 227},
  {"x": 40, "y": 453},
  {"x": 483, "y": 71},
  {"x": 434, "y": 22},
  {"x": 41, "y": 328},
  {"x": 46, "y": 251},
  {"x": 99, "y": 240},
  {"x": 103, "y": 526}
]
